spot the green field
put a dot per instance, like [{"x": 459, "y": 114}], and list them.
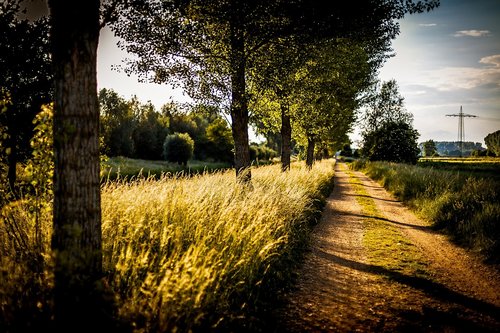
[
  {"x": 471, "y": 166},
  {"x": 124, "y": 167}
]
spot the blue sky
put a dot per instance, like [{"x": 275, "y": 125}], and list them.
[{"x": 447, "y": 58}]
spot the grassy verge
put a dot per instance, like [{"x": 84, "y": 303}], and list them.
[
  {"x": 386, "y": 247},
  {"x": 467, "y": 208},
  {"x": 127, "y": 168},
  {"x": 202, "y": 253}
]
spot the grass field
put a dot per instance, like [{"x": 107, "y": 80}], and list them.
[
  {"x": 124, "y": 167},
  {"x": 183, "y": 254},
  {"x": 471, "y": 166}
]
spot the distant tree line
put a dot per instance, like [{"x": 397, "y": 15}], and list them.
[
  {"x": 450, "y": 148},
  {"x": 133, "y": 129}
]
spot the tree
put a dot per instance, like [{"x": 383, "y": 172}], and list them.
[
  {"x": 392, "y": 142},
  {"x": 492, "y": 141},
  {"x": 76, "y": 241},
  {"x": 385, "y": 104},
  {"x": 211, "y": 45},
  {"x": 331, "y": 83},
  {"x": 221, "y": 142},
  {"x": 117, "y": 124},
  {"x": 178, "y": 148},
  {"x": 388, "y": 131},
  {"x": 430, "y": 148},
  {"x": 26, "y": 77},
  {"x": 150, "y": 131}
]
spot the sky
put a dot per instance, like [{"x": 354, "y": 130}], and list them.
[{"x": 443, "y": 60}]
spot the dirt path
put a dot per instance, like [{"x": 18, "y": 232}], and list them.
[{"x": 339, "y": 290}]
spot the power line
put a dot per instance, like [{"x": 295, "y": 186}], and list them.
[{"x": 461, "y": 128}]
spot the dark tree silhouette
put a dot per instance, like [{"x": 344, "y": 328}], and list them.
[{"x": 77, "y": 214}]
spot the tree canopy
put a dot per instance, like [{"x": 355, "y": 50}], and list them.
[
  {"x": 388, "y": 131},
  {"x": 26, "y": 78},
  {"x": 492, "y": 141},
  {"x": 213, "y": 47}
]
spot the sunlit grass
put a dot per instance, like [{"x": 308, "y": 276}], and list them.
[
  {"x": 185, "y": 253},
  {"x": 386, "y": 246},
  {"x": 180, "y": 253}
]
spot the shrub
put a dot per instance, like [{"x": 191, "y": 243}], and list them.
[{"x": 178, "y": 148}]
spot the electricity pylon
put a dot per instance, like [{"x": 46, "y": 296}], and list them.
[{"x": 461, "y": 129}]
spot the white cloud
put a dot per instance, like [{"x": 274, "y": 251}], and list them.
[
  {"x": 493, "y": 60},
  {"x": 427, "y": 24},
  {"x": 472, "y": 33},
  {"x": 452, "y": 78}
]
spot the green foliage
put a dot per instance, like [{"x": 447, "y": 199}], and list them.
[
  {"x": 385, "y": 105},
  {"x": 149, "y": 133},
  {"x": 4, "y": 150},
  {"x": 262, "y": 153},
  {"x": 25, "y": 232},
  {"x": 118, "y": 123},
  {"x": 492, "y": 141},
  {"x": 456, "y": 148},
  {"x": 178, "y": 147},
  {"x": 135, "y": 130},
  {"x": 26, "y": 77},
  {"x": 393, "y": 142},
  {"x": 388, "y": 134},
  {"x": 221, "y": 142},
  {"x": 430, "y": 148},
  {"x": 40, "y": 168},
  {"x": 346, "y": 150}
]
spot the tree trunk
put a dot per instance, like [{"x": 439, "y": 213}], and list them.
[
  {"x": 76, "y": 238},
  {"x": 12, "y": 163},
  {"x": 239, "y": 105},
  {"x": 286, "y": 138},
  {"x": 311, "y": 142}
]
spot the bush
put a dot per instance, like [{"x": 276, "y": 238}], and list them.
[{"x": 178, "y": 148}]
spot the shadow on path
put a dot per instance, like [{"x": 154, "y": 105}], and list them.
[
  {"x": 433, "y": 289},
  {"x": 428, "y": 229}
]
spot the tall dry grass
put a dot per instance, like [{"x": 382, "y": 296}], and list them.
[
  {"x": 186, "y": 253},
  {"x": 200, "y": 253}
]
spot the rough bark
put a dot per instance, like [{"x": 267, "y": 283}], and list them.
[
  {"x": 311, "y": 142},
  {"x": 239, "y": 105},
  {"x": 12, "y": 162},
  {"x": 76, "y": 238},
  {"x": 286, "y": 138}
]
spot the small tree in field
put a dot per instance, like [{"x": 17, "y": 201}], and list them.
[
  {"x": 492, "y": 141},
  {"x": 388, "y": 131},
  {"x": 430, "y": 148},
  {"x": 178, "y": 148},
  {"x": 393, "y": 142}
]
